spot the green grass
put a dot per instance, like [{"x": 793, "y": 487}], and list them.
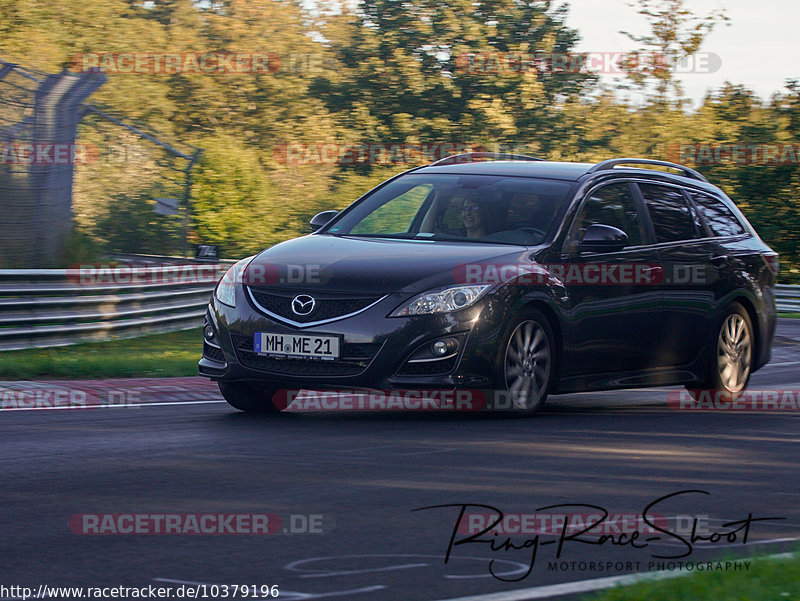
[
  {"x": 158, "y": 355},
  {"x": 792, "y": 315},
  {"x": 766, "y": 580}
]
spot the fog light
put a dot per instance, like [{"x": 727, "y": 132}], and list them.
[
  {"x": 208, "y": 332},
  {"x": 439, "y": 348},
  {"x": 443, "y": 347}
]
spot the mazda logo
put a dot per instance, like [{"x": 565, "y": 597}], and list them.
[{"x": 303, "y": 304}]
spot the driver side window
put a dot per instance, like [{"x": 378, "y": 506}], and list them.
[
  {"x": 612, "y": 205},
  {"x": 396, "y": 215}
]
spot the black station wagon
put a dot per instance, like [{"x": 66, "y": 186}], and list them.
[{"x": 504, "y": 274}]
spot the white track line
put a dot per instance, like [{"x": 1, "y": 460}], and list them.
[
  {"x": 115, "y": 406},
  {"x": 709, "y": 546},
  {"x": 594, "y": 584}
]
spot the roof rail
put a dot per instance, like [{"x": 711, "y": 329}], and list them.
[
  {"x": 611, "y": 163},
  {"x": 469, "y": 157}
]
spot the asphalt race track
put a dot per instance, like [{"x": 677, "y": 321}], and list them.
[{"x": 355, "y": 479}]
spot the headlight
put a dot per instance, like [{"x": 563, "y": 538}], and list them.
[
  {"x": 442, "y": 300},
  {"x": 225, "y": 291}
]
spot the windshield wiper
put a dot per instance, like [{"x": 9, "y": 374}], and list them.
[
  {"x": 453, "y": 238},
  {"x": 429, "y": 237},
  {"x": 405, "y": 236}
]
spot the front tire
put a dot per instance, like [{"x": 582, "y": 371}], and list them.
[
  {"x": 526, "y": 365},
  {"x": 249, "y": 397},
  {"x": 732, "y": 361}
]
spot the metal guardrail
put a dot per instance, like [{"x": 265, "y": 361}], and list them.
[
  {"x": 788, "y": 298},
  {"x": 56, "y": 307},
  {"x": 140, "y": 259}
]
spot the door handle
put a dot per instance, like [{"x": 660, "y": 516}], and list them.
[{"x": 654, "y": 273}]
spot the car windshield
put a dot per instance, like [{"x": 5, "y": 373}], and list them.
[{"x": 464, "y": 208}]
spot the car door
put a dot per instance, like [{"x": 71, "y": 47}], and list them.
[
  {"x": 691, "y": 261},
  {"x": 614, "y": 319}
]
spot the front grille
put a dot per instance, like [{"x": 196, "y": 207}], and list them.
[
  {"x": 354, "y": 359},
  {"x": 213, "y": 353},
  {"x": 428, "y": 368},
  {"x": 329, "y": 305}
]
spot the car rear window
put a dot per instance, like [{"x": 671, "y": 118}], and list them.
[{"x": 717, "y": 216}]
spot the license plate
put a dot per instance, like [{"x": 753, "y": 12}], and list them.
[{"x": 296, "y": 346}]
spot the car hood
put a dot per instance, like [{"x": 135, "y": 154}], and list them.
[{"x": 372, "y": 265}]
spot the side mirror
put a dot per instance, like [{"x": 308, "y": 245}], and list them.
[
  {"x": 599, "y": 238},
  {"x": 320, "y": 219}
]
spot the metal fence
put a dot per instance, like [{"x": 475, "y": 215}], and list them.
[
  {"x": 144, "y": 179},
  {"x": 67, "y": 166},
  {"x": 788, "y": 298},
  {"x": 54, "y": 307},
  {"x": 38, "y": 124}
]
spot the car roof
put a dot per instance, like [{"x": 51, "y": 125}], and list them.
[
  {"x": 544, "y": 169},
  {"x": 559, "y": 170}
]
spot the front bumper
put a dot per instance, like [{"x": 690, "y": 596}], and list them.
[{"x": 375, "y": 349}]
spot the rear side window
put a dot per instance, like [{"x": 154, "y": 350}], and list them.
[
  {"x": 671, "y": 216},
  {"x": 718, "y": 217},
  {"x": 612, "y": 205}
]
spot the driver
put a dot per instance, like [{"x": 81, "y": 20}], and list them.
[
  {"x": 474, "y": 216},
  {"x": 477, "y": 213}
]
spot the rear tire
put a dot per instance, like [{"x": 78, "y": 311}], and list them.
[
  {"x": 732, "y": 359},
  {"x": 526, "y": 364},
  {"x": 249, "y": 397}
]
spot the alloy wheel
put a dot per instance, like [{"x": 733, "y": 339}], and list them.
[
  {"x": 528, "y": 364},
  {"x": 734, "y": 352}
]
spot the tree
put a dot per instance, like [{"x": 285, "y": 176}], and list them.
[
  {"x": 432, "y": 71},
  {"x": 676, "y": 34}
]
